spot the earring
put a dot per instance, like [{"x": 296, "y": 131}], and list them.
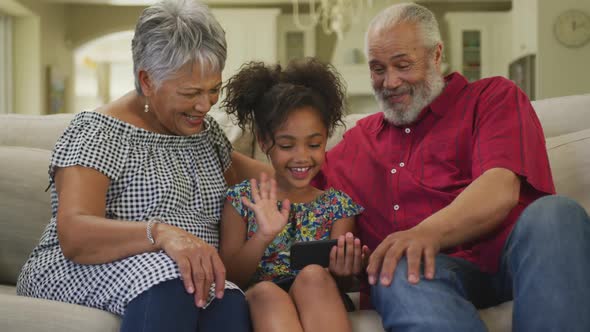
[{"x": 146, "y": 108}]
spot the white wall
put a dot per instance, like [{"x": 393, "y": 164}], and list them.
[
  {"x": 39, "y": 43},
  {"x": 28, "y": 76},
  {"x": 524, "y": 28},
  {"x": 561, "y": 71}
]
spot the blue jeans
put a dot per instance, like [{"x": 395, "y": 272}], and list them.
[
  {"x": 545, "y": 268},
  {"x": 168, "y": 307}
]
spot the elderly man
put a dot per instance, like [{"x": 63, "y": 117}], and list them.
[{"x": 456, "y": 185}]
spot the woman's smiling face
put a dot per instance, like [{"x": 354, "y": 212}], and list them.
[{"x": 180, "y": 104}]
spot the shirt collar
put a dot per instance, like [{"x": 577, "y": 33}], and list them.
[{"x": 455, "y": 82}]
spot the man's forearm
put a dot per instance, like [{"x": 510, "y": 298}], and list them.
[{"x": 478, "y": 210}]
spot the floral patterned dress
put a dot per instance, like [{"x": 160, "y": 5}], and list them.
[{"x": 307, "y": 222}]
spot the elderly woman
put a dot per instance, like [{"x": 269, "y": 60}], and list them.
[{"x": 137, "y": 189}]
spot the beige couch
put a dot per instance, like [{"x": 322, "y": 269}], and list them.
[{"x": 25, "y": 144}]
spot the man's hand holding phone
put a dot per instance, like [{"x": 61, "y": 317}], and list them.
[{"x": 348, "y": 258}]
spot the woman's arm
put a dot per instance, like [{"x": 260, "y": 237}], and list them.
[
  {"x": 86, "y": 236},
  {"x": 246, "y": 168},
  {"x": 240, "y": 256}
]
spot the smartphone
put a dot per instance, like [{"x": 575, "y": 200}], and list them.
[{"x": 311, "y": 252}]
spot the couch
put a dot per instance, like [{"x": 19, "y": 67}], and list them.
[{"x": 25, "y": 147}]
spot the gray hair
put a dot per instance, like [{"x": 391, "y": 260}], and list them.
[
  {"x": 172, "y": 33},
  {"x": 407, "y": 13}
]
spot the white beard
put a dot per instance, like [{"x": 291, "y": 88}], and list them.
[{"x": 422, "y": 94}]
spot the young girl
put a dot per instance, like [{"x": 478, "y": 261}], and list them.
[{"x": 292, "y": 113}]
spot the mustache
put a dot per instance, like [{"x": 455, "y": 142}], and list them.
[{"x": 386, "y": 93}]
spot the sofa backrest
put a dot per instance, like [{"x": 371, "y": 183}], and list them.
[
  {"x": 24, "y": 206},
  {"x": 563, "y": 115},
  {"x": 34, "y": 131},
  {"x": 26, "y": 141}
]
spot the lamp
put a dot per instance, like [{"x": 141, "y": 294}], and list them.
[{"x": 335, "y": 16}]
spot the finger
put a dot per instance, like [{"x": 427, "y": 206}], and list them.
[
  {"x": 248, "y": 203},
  {"x": 255, "y": 190},
  {"x": 273, "y": 190},
  {"x": 285, "y": 208},
  {"x": 340, "y": 251},
  {"x": 366, "y": 253},
  {"x": 357, "y": 257},
  {"x": 333, "y": 266},
  {"x": 208, "y": 277},
  {"x": 219, "y": 275},
  {"x": 390, "y": 260},
  {"x": 264, "y": 186},
  {"x": 198, "y": 280},
  {"x": 349, "y": 253},
  {"x": 184, "y": 267},
  {"x": 429, "y": 262},
  {"x": 414, "y": 257},
  {"x": 375, "y": 262}
]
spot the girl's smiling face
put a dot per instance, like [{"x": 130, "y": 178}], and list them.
[{"x": 299, "y": 149}]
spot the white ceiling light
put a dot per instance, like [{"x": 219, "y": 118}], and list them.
[
  {"x": 132, "y": 2},
  {"x": 335, "y": 16}
]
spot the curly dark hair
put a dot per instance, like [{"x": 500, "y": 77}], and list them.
[{"x": 262, "y": 96}]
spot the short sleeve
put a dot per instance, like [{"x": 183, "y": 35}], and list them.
[
  {"x": 221, "y": 144},
  {"x": 235, "y": 194},
  {"x": 509, "y": 135},
  {"x": 90, "y": 144},
  {"x": 322, "y": 180},
  {"x": 342, "y": 206}
]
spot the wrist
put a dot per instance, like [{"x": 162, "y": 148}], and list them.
[
  {"x": 259, "y": 237},
  {"x": 154, "y": 229}
]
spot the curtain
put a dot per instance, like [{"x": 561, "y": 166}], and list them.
[{"x": 5, "y": 64}]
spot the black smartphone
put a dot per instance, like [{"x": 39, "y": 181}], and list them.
[{"x": 311, "y": 252}]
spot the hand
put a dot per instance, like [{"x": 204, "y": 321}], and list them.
[
  {"x": 350, "y": 261},
  {"x": 415, "y": 243},
  {"x": 198, "y": 262},
  {"x": 270, "y": 220}
]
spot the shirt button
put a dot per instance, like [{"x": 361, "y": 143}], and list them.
[
  {"x": 408, "y": 130},
  {"x": 402, "y": 164},
  {"x": 396, "y": 207},
  {"x": 393, "y": 171}
]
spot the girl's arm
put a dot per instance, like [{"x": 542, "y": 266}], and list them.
[
  {"x": 346, "y": 259},
  {"x": 240, "y": 256}
]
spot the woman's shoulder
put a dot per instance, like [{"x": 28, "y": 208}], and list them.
[{"x": 87, "y": 124}]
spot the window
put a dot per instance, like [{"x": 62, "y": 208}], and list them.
[{"x": 5, "y": 64}]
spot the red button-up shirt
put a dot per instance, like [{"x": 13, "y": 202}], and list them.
[{"x": 402, "y": 175}]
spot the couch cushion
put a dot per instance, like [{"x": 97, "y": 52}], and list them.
[
  {"x": 569, "y": 156},
  {"x": 24, "y": 204},
  {"x": 18, "y": 313},
  {"x": 35, "y": 131}
]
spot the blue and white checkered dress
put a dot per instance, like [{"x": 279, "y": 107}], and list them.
[{"x": 177, "y": 178}]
